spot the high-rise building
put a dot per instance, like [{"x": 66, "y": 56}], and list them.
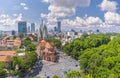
[
  {"x": 22, "y": 27},
  {"x": 59, "y": 26},
  {"x": 32, "y": 27},
  {"x": 28, "y": 30},
  {"x": 55, "y": 29},
  {"x": 13, "y": 32}
]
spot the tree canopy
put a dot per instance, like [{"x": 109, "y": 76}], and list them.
[
  {"x": 99, "y": 56},
  {"x": 73, "y": 74},
  {"x": 2, "y": 71},
  {"x": 31, "y": 47},
  {"x": 103, "y": 61},
  {"x": 76, "y": 47}
]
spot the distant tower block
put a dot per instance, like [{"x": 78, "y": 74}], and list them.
[
  {"x": 22, "y": 27},
  {"x": 13, "y": 32},
  {"x": 32, "y": 27},
  {"x": 59, "y": 26},
  {"x": 28, "y": 30}
]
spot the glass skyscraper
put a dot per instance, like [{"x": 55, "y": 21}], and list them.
[
  {"x": 32, "y": 27},
  {"x": 22, "y": 27},
  {"x": 59, "y": 26}
]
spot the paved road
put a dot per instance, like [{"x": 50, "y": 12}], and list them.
[{"x": 64, "y": 65}]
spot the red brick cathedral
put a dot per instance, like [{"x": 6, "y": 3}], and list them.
[{"x": 46, "y": 50}]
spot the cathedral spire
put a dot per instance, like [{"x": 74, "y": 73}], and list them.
[
  {"x": 42, "y": 22},
  {"x": 42, "y": 30}
]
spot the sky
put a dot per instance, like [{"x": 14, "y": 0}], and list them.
[{"x": 76, "y": 14}]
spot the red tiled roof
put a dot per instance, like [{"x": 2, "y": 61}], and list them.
[
  {"x": 5, "y": 58},
  {"x": 7, "y": 53},
  {"x": 49, "y": 45}
]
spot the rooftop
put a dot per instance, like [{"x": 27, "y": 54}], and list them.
[
  {"x": 7, "y": 53},
  {"x": 5, "y": 58}
]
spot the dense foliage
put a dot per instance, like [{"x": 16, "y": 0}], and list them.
[
  {"x": 98, "y": 55},
  {"x": 76, "y": 47},
  {"x": 26, "y": 41},
  {"x": 73, "y": 74},
  {"x": 35, "y": 37},
  {"x": 55, "y": 76},
  {"x": 2, "y": 71},
  {"x": 102, "y": 62},
  {"x": 24, "y": 63},
  {"x": 31, "y": 47}
]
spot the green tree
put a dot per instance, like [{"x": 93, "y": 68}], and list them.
[
  {"x": 55, "y": 76},
  {"x": 24, "y": 63},
  {"x": 21, "y": 35},
  {"x": 29, "y": 61},
  {"x": 73, "y": 74},
  {"x": 31, "y": 47},
  {"x": 2, "y": 71},
  {"x": 98, "y": 55},
  {"x": 26, "y": 41},
  {"x": 35, "y": 38},
  {"x": 102, "y": 61},
  {"x": 16, "y": 61}
]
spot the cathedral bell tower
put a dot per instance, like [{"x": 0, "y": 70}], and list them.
[{"x": 42, "y": 32}]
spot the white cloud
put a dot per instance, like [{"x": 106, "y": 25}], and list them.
[
  {"x": 3, "y": 16},
  {"x": 15, "y": 15},
  {"x": 112, "y": 18},
  {"x": 24, "y": 6},
  {"x": 108, "y": 5},
  {"x": 64, "y": 8},
  {"x": 43, "y": 15},
  {"x": 93, "y": 20},
  {"x": 8, "y": 22},
  {"x": 46, "y": 1},
  {"x": 76, "y": 22}
]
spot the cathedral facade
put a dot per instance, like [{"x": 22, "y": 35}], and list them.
[{"x": 45, "y": 50}]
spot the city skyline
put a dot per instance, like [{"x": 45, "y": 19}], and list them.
[{"x": 102, "y": 14}]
